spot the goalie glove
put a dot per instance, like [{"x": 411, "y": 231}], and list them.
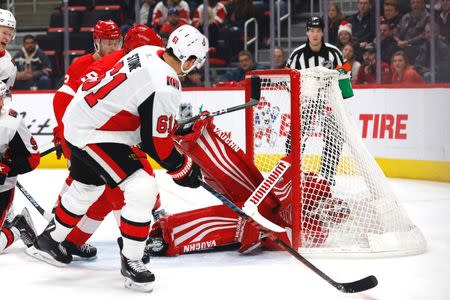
[{"x": 188, "y": 175}]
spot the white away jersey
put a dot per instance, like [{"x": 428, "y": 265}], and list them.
[
  {"x": 7, "y": 69},
  {"x": 110, "y": 109},
  {"x": 16, "y": 138}
]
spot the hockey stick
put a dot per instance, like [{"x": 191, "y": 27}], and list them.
[
  {"x": 348, "y": 287},
  {"x": 44, "y": 213},
  {"x": 50, "y": 150},
  {"x": 251, "y": 205},
  {"x": 255, "y": 95}
]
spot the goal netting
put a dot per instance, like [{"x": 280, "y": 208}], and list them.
[{"x": 340, "y": 200}]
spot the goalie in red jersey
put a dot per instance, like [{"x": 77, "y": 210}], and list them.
[{"x": 229, "y": 171}]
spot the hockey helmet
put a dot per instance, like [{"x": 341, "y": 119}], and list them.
[
  {"x": 7, "y": 19},
  {"x": 141, "y": 35},
  {"x": 314, "y": 22},
  {"x": 187, "y": 41},
  {"x": 107, "y": 30}
]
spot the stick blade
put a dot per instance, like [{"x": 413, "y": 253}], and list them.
[
  {"x": 255, "y": 89},
  {"x": 359, "y": 285}
]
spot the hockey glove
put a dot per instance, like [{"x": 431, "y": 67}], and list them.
[
  {"x": 57, "y": 142},
  {"x": 188, "y": 175}
]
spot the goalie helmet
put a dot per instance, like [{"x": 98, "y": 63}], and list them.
[
  {"x": 141, "y": 35},
  {"x": 107, "y": 30},
  {"x": 7, "y": 19},
  {"x": 187, "y": 41}
]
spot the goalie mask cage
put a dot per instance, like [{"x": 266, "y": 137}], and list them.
[{"x": 341, "y": 202}]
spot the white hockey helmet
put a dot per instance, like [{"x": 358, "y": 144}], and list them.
[
  {"x": 187, "y": 41},
  {"x": 7, "y": 19}
]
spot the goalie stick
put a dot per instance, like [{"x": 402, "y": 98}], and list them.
[
  {"x": 43, "y": 212},
  {"x": 255, "y": 85},
  {"x": 251, "y": 205},
  {"x": 347, "y": 287}
]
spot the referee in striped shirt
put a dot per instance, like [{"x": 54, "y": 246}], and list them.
[{"x": 315, "y": 52}]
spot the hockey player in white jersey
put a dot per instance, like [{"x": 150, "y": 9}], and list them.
[
  {"x": 133, "y": 103},
  {"x": 7, "y": 33},
  {"x": 18, "y": 154}
]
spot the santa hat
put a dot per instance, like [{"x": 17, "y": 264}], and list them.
[{"x": 345, "y": 26}]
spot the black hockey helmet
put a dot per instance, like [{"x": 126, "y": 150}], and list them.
[{"x": 314, "y": 22}]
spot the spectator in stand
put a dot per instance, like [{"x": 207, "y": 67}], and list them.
[
  {"x": 349, "y": 56},
  {"x": 344, "y": 34},
  {"x": 422, "y": 62},
  {"x": 411, "y": 29},
  {"x": 217, "y": 14},
  {"x": 279, "y": 57},
  {"x": 160, "y": 13},
  {"x": 334, "y": 21},
  {"x": 363, "y": 23},
  {"x": 402, "y": 71},
  {"x": 146, "y": 12},
  {"x": 442, "y": 19},
  {"x": 33, "y": 67},
  {"x": 367, "y": 72},
  {"x": 388, "y": 43},
  {"x": 174, "y": 21},
  {"x": 246, "y": 63},
  {"x": 345, "y": 37},
  {"x": 391, "y": 13}
]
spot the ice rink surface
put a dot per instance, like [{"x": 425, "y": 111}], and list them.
[{"x": 229, "y": 275}]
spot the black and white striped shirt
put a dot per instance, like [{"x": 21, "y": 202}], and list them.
[{"x": 303, "y": 57}]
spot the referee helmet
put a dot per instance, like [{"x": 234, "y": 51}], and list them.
[{"x": 314, "y": 22}]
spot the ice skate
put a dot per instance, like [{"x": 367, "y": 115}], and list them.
[
  {"x": 83, "y": 252},
  {"x": 49, "y": 251},
  {"x": 137, "y": 276},
  {"x": 24, "y": 224}
]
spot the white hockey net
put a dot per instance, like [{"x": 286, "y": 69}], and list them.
[{"x": 347, "y": 205}]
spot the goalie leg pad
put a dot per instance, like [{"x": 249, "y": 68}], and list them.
[
  {"x": 197, "y": 230},
  {"x": 225, "y": 166}
]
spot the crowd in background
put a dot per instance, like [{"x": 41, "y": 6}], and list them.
[
  {"x": 405, "y": 32},
  {"x": 404, "y": 40}
]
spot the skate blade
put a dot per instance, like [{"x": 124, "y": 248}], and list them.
[
  {"x": 79, "y": 258},
  {"x": 43, "y": 256},
  {"x": 146, "y": 287}
]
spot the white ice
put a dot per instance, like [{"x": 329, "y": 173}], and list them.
[{"x": 229, "y": 275}]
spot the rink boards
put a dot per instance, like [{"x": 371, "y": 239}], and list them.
[{"x": 406, "y": 129}]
